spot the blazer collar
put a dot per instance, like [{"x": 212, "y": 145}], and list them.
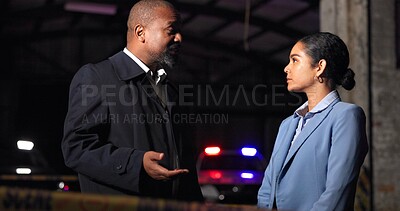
[
  {"x": 125, "y": 67},
  {"x": 307, "y": 131}
]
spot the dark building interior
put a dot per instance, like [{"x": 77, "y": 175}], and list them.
[
  {"x": 230, "y": 69},
  {"x": 231, "y": 62}
]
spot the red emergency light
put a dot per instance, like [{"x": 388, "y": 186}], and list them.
[{"x": 212, "y": 150}]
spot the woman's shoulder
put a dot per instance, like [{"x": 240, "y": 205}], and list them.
[
  {"x": 346, "y": 108},
  {"x": 346, "y": 105},
  {"x": 287, "y": 120}
]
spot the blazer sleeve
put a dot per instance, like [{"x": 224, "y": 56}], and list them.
[
  {"x": 348, "y": 150},
  {"x": 85, "y": 126}
]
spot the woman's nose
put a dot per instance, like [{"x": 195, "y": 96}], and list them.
[{"x": 286, "y": 69}]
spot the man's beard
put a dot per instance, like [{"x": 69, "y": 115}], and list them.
[{"x": 168, "y": 59}]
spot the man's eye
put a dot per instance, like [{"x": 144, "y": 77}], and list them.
[{"x": 172, "y": 31}]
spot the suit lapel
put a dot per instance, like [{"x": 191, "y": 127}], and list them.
[
  {"x": 284, "y": 147},
  {"x": 172, "y": 95},
  {"x": 127, "y": 69},
  {"x": 149, "y": 90},
  {"x": 307, "y": 131}
]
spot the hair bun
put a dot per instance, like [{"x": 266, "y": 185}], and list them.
[{"x": 348, "y": 81}]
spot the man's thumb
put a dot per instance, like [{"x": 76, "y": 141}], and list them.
[
  {"x": 156, "y": 156},
  {"x": 161, "y": 155}
]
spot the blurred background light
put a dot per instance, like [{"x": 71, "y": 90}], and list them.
[
  {"x": 212, "y": 150},
  {"x": 216, "y": 174},
  {"x": 23, "y": 170},
  {"x": 249, "y": 151},
  {"x": 61, "y": 185},
  {"x": 25, "y": 145},
  {"x": 246, "y": 175}
]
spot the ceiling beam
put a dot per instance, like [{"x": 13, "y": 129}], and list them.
[{"x": 239, "y": 16}]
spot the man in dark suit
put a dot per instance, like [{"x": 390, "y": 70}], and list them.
[{"x": 119, "y": 133}]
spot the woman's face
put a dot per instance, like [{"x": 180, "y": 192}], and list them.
[{"x": 300, "y": 74}]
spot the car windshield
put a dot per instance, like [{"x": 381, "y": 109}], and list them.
[{"x": 231, "y": 162}]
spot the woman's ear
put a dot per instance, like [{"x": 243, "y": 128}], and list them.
[
  {"x": 321, "y": 67},
  {"x": 139, "y": 32}
]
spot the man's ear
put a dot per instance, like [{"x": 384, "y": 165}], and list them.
[
  {"x": 139, "y": 32},
  {"x": 321, "y": 67}
]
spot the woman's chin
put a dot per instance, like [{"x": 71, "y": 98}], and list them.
[{"x": 292, "y": 89}]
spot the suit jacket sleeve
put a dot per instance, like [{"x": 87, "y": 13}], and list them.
[
  {"x": 83, "y": 147},
  {"x": 348, "y": 150}
]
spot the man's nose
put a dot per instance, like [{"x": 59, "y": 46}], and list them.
[{"x": 178, "y": 37}]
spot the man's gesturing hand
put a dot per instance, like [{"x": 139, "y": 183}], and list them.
[{"x": 155, "y": 170}]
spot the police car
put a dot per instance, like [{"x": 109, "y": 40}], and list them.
[{"x": 230, "y": 176}]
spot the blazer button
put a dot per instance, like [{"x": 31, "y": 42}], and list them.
[{"x": 119, "y": 167}]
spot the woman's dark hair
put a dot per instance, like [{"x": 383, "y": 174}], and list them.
[{"x": 324, "y": 45}]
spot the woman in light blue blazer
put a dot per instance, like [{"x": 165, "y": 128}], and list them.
[{"x": 319, "y": 150}]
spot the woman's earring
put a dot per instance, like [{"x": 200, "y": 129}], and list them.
[{"x": 319, "y": 79}]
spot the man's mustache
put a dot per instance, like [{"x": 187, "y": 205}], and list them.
[{"x": 174, "y": 47}]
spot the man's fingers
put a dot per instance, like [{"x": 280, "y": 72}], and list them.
[
  {"x": 156, "y": 171},
  {"x": 161, "y": 173},
  {"x": 176, "y": 172},
  {"x": 183, "y": 171},
  {"x": 164, "y": 174}
]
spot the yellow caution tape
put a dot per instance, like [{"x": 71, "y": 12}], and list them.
[{"x": 27, "y": 199}]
